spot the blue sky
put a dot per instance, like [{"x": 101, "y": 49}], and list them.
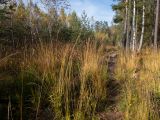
[{"x": 99, "y": 9}]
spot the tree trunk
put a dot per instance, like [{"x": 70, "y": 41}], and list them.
[
  {"x": 128, "y": 27},
  {"x": 124, "y": 39},
  {"x": 156, "y": 26},
  {"x": 11, "y": 24},
  {"x": 142, "y": 32},
  {"x": 133, "y": 26},
  {"x": 136, "y": 29}
]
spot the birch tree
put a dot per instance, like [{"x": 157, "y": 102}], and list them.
[
  {"x": 156, "y": 26},
  {"x": 133, "y": 26},
  {"x": 142, "y": 32}
]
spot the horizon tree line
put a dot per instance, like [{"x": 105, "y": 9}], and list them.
[{"x": 22, "y": 25}]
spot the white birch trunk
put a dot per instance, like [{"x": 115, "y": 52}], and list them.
[
  {"x": 142, "y": 32},
  {"x": 133, "y": 25}
]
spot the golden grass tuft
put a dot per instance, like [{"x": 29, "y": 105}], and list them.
[
  {"x": 140, "y": 76},
  {"x": 75, "y": 78}
]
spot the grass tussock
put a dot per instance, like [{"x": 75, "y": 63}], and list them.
[
  {"x": 72, "y": 80},
  {"x": 140, "y": 92}
]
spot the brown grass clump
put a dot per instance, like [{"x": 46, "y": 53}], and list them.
[
  {"x": 73, "y": 79},
  {"x": 140, "y": 76}
]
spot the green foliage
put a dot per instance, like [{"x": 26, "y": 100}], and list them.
[
  {"x": 118, "y": 19},
  {"x": 120, "y": 6},
  {"x": 6, "y": 8},
  {"x": 28, "y": 24}
]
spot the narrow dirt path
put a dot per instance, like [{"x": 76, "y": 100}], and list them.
[{"x": 113, "y": 92}]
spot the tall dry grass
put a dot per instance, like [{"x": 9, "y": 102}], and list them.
[
  {"x": 72, "y": 79},
  {"x": 141, "y": 85},
  {"x": 67, "y": 82}
]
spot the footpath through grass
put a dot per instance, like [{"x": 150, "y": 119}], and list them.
[{"x": 65, "y": 82}]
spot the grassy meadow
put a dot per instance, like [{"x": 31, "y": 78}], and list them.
[
  {"x": 61, "y": 82},
  {"x": 65, "y": 82}
]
